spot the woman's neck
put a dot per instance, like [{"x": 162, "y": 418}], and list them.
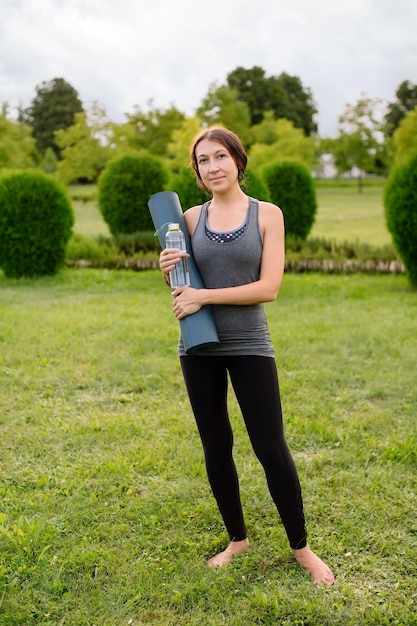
[
  {"x": 227, "y": 211},
  {"x": 229, "y": 200}
]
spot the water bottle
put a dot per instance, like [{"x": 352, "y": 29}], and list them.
[{"x": 179, "y": 276}]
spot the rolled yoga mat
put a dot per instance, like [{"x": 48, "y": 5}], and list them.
[{"x": 198, "y": 330}]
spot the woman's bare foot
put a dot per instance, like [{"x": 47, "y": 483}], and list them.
[
  {"x": 225, "y": 557},
  {"x": 318, "y": 570}
]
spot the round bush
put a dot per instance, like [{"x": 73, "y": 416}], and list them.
[
  {"x": 291, "y": 187},
  {"x": 254, "y": 186},
  {"x": 400, "y": 203},
  {"x": 36, "y": 218},
  {"x": 124, "y": 189},
  {"x": 185, "y": 185}
]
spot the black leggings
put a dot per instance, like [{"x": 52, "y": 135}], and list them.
[{"x": 255, "y": 383}]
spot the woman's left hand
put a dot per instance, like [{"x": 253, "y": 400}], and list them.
[{"x": 187, "y": 300}]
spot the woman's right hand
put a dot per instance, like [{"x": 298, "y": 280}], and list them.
[{"x": 168, "y": 258}]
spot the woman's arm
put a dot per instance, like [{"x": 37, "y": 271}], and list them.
[{"x": 188, "y": 300}]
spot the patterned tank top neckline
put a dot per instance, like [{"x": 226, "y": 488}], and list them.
[{"x": 225, "y": 237}]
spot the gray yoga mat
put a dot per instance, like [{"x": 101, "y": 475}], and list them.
[{"x": 198, "y": 330}]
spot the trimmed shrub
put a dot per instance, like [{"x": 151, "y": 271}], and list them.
[
  {"x": 89, "y": 248},
  {"x": 185, "y": 185},
  {"x": 142, "y": 241},
  {"x": 400, "y": 203},
  {"x": 36, "y": 219},
  {"x": 124, "y": 189},
  {"x": 254, "y": 186},
  {"x": 291, "y": 187}
]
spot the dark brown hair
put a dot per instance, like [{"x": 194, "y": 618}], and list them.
[{"x": 229, "y": 140}]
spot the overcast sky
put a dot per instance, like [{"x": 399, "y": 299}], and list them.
[{"x": 122, "y": 53}]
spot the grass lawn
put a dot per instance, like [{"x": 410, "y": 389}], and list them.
[
  {"x": 344, "y": 214},
  {"x": 106, "y": 516}
]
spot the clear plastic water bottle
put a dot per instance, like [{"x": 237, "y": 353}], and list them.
[{"x": 179, "y": 276}]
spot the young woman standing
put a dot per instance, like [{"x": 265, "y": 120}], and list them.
[{"x": 238, "y": 247}]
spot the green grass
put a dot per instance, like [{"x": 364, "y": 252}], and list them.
[
  {"x": 88, "y": 219},
  {"x": 343, "y": 213},
  {"x": 106, "y": 517}
]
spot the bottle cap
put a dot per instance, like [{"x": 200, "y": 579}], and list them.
[{"x": 173, "y": 226}]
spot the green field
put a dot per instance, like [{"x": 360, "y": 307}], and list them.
[
  {"x": 343, "y": 214},
  {"x": 106, "y": 517}
]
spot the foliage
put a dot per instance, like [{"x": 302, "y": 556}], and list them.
[
  {"x": 400, "y": 200},
  {"x": 185, "y": 185},
  {"x": 36, "y": 218},
  {"x": 279, "y": 139},
  {"x": 181, "y": 140},
  {"x": 142, "y": 241},
  {"x": 284, "y": 95},
  {"x": 49, "y": 161},
  {"x": 54, "y": 107},
  {"x": 106, "y": 515},
  {"x": 406, "y": 101},
  {"x": 291, "y": 187},
  {"x": 87, "y": 248},
  {"x": 222, "y": 107},
  {"x": 152, "y": 130},
  {"x": 360, "y": 142},
  {"x": 254, "y": 185},
  {"x": 83, "y": 156},
  {"x": 405, "y": 137},
  {"x": 17, "y": 146},
  {"x": 124, "y": 189}
]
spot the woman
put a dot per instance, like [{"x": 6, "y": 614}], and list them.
[{"x": 238, "y": 246}]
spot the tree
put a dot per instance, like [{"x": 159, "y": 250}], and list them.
[
  {"x": 284, "y": 95},
  {"x": 222, "y": 106},
  {"x": 406, "y": 101},
  {"x": 405, "y": 137},
  {"x": 178, "y": 149},
  {"x": 54, "y": 107},
  {"x": 17, "y": 146},
  {"x": 83, "y": 156},
  {"x": 279, "y": 139},
  {"x": 152, "y": 131},
  {"x": 301, "y": 108},
  {"x": 361, "y": 141}
]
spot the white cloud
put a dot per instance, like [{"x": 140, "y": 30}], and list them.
[{"x": 125, "y": 53}]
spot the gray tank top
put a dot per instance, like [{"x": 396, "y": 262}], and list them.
[{"x": 242, "y": 329}]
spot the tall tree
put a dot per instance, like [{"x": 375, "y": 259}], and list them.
[
  {"x": 406, "y": 101},
  {"x": 83, "y": 154},
  {"x": 54, "y": 107},
  {"x": 152, "y": 130},
  {"x": 279, "y": 139},
  {"x": 222, "y": 106},
  {"x": 284, "y": 95}
]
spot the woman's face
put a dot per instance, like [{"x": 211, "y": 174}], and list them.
[{"x": 216, "y": 166}]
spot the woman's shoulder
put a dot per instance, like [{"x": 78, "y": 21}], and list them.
[
  {"x": 269, "y": 210},
  {"x": 270, "y": 217},
  {"x": 191, "y": 217}
]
